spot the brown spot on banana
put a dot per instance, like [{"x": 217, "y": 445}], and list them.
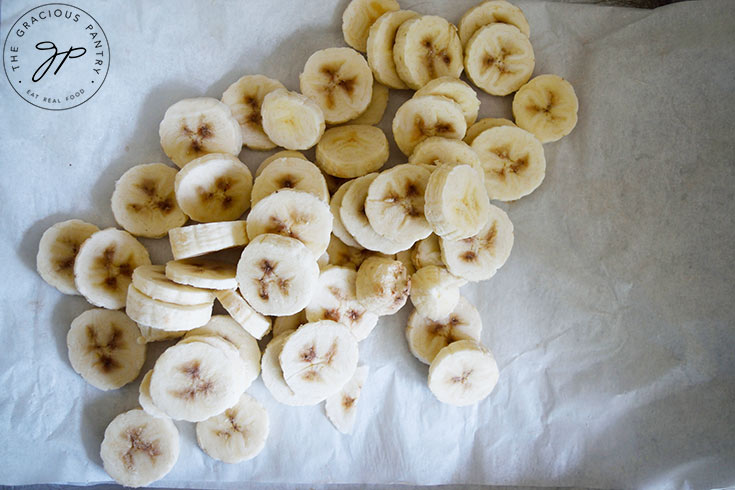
[{"x": 138, "y": 445}]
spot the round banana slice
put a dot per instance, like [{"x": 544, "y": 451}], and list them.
[
  {"x": 463, "y": 373},
  {"x": 253, "y": 322},
  {"x": 359, "y": 16},
  {"x": 499, "y": 59},
  {"x": 427, "y": 252},
  {"x": 423, "y": 117},
  {"x": 546, "y": 107},
  {"x": 103, "y": 348},
  {"x": 292, "y": 120},
  {"x": 238, "y": 434},
  {"x": 104, "y": 267},
  {"x": 352, "y": 151},
  {"x": 335, "y": 299},
  {"x": 382, "y": 285},
  {"x": 434, "y": 151},
  {"x": 276, "y": 156},
  {"x": 381, "y": 37},
  {"x": 426, "y": 48},
  {"x": 434, "y": 291},
  {"x": 341, "y": 408},
  {"x": 151, "y": 280},
  {"x": 277, "y": 275},
  {"x": 163, "y": 315},
  {"x": 491, "y": 12},
  {"x": 273, "y": 376},
  {"x": 194, "y": 127},
  {"x": 458, "y": 91},
  {"x": 339, "y": 80},
  {"x": 139, "y": 448},
  {"x": 338, "y": 229},
  {"x": 373, "y": 114},
  {"x": 244, "y": 97},
  {"x": 57, "y": 252},
  {"x": 480, "y": 256},
  {"x": 284, "y": 324},
  {"x": 196, "y": 240},
  {"x": 215, "y": 187},
  {"x": 395, "y": 203},
  {"x": 144, "y": 397},
  {"x": 290, "y": 173},
  {"x": 426, "y": 336},
  {"x": 482, "y": 125},
  {"x": 150, "y": 334},
  {"x": 319, "y": 358},
  {"x": 513, "y": 160},
  {"x": 456, "y": 201},
  {"x": 202, "y": 273},
  {"x": 144, "y": 202}
]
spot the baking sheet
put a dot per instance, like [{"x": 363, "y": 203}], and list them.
[{"x": 612, "y": 321}]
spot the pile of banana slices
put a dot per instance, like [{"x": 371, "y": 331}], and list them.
[{"x": 327, "y": 247}]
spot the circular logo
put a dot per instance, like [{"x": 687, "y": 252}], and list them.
[{"x": 56, "y": 56}]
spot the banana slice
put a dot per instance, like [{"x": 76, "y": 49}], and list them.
[
  {"x": 215, "y": 187},
  {"x": 480, "y": 256},
  {"x": 373, "y": 114},
  {"x": 404, "y": 257},
  {"x": 395, "y": 203},
  {"x": 339, "y": 80},
  {"x": 463, "y": 373},
  {"x": 319, "y": 358},
  {"x": 238, "y": 434},
  {"x": 273, "y": 376},
  {"x": 57, "y": 252},
  {"x": 292, "y": 120},
  {"x": 513, "y": 160},
  {"x": 139, "y": 448},
  {"x": 456, "y": 201},
  {"x": 359, "y": 16},
  {"x": 434, "y": 291},
  {"x": 144, "y": 202},
  {"x": 104, "y": 267},
  {"x": 284, "y": 324},
  {"x": 151, "y": 280},
  {"x": 352, "y": 151},
  {"x": 276, "y": 156},
  {"x": 382, "y": 285},
  {"x": 356, "y": 221},
  {"x": 144, "y": 397},
  {"x": 277, "y": 275},
  {"x": 458, "y": 91},
  {"x": 290, "y": 173},
  {"x": 151, "y": 334},
  {"x": 424, "y": 117},
  {"x": 196, "y": 380},
  {"x": 345, "y": 256},
  {"x": 491, "y": 12},
  {"x": 499, "y": 59},
  {"x": 483, "y": 124},
  {"x": 338, "y": 229},
  {"x": 427, "y": 252},
  {"x": 294, "y": 214},
  {"x": 196, "y": 240},
  {"x": 335, "y": 299},
  {"x": 434, "y": 151},
  {"x": 341, "y": 408},
  {"x": 103, "y": 348},
  {"x": 244, "y": 97},
  {"x": 381, "y": 37},
  {"x": 192, "y": 128},
  {"x": 164, "y": 315},
  {"x": 202, "y": 273},
  {"x": 426, "y": 48},
  {"x": 546, "y": 107},
  {"x": 253, "y": 322}
]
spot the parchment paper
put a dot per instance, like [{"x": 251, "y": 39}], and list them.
[{"x": 612, "y": 322}]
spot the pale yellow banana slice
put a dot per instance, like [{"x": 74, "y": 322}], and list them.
[
  {"x": 103, "y": 348},
  {"x": 104, "y": 267},
  {"x": 457, "y": 90},
  {"x": 381, "y": 37},
  {"x": 283, "y": 324},
  {"x": 423, "y": 117},
  {"x": 273, "y": 376},
  {"x": 346, "y": 256},
  {"x": 144, "y": 397},
  {"x": 202, "y": 273},
  {"x": 214, "y": 187},
  {"x": 395, "y": 203},
  {"x": 163, "y": 315},
  {"x": 382, "y": 285},
  {"x": 194, "y": 127},
  {"x": 139, "y": 448},
  {"x": 513, "y": 160},
  {"x": 57, "y": 252},
  {"x": 338, "y": 229},
  {"x": 427, "y": 252},
  {"x": 151, "y": 280},
  {"x": 352, "y": 151},
  {"x": 253, "y": 322},
  {"x": 244, "y": 97},
  {"x": 144, "y": 202},
  {"x": 404, "y": 256},
  {"x": 491, "y": 12},
  {"x": 196, "y": 240},
  {"x": 373, "y": 114},
  {"x": 434, "y": 291},
  {"x": 276, "y": 156},
  {"x": 456, "y": 201},
  {"x": 480, "y": 256},
  {"x": 499, "y": 59},
  {"x": 151, "y": 334},
  {"x": 341, "y": 408},
  {"x": 483, "y": 124},
  {"x": 290, "y": 173},
  {"x": 463, "y": 373},
  {"x": 292, "y": 120},
  {"x": 546, "y": 107},
  {"x": 359, "y": 16},
  {"x": 434, "y": 151},
  {"x": 426, "y": 48}
]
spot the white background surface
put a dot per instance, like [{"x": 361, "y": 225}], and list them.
[{"x": 612, "y": 322}]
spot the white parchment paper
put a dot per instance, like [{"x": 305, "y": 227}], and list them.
[{"x": 612, "y": 322}]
